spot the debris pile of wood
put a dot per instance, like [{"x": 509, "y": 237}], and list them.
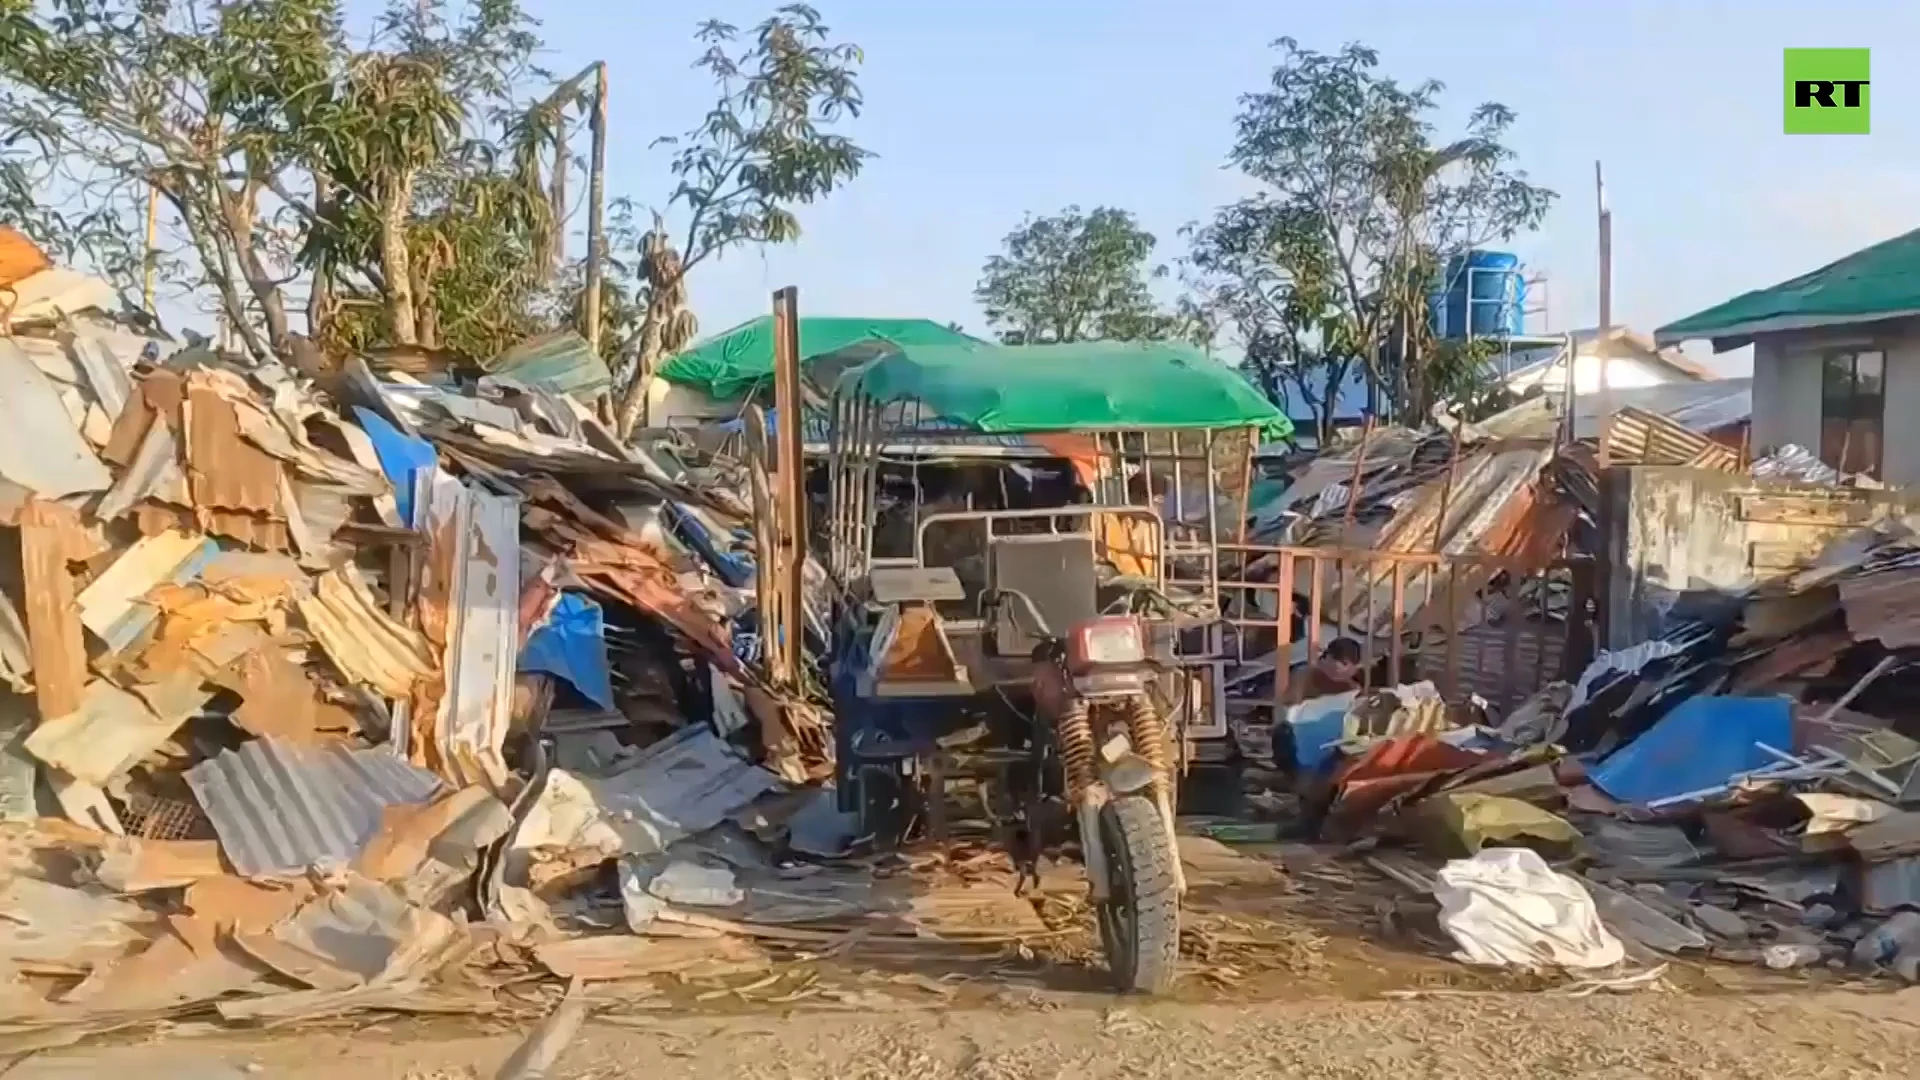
[
  {"x": 321, "y": 681},
  {"x": 1745, "y": 787}
]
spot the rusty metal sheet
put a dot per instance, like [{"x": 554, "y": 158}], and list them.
[
  {"x": 1884, "y": 607},
  {"x": 1638, "y": 437},
  {"x": 55, "y": 639},
  {"x": 224, "y": 470},
  {"x": 476, "y": 537},
  {"x": 282, "y": 433},
  {"x": 364, "y": 642},
  {"x": 110, "y": 732},
  {"x": 1799, "y": 656},
  {"x": 278, "y": 698}
]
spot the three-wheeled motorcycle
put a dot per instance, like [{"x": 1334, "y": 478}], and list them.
[{"x": 1065, "y": 654}]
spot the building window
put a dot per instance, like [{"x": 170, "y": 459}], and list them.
[{"x": 1852, "y": 408}]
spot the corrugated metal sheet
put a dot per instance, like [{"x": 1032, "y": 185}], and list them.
[
  {"x": 279, "y": 808},
  {"x": 1696, "y": 406},
  {"x": 110, "y": 606},
  {"x": 684, "y": 784},
  {"x": 225, "y": 471},
  {"x": 106, "y": 355},
  {"x": 1639, "y": 437},
  {"x": 41, "y": 449},
  {"x": 561, "y": 360},
  {"x": 16, "y": 655},
  {"x": 483, "y": 626},
  {"x": 366, "y": 643},
  {"x": 1884, "y": 606}
]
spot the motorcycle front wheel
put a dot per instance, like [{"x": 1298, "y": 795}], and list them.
[{"x": 1140, "y": 921}]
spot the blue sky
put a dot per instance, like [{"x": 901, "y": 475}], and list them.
[{"x": 983, "y": 111}]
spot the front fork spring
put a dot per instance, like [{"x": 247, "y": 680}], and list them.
[
  {"x": 1073, "y": 734},
  {"x": 1147, "y": 730}
]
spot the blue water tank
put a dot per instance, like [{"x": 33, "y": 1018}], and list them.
[{"x": 1483, "y": 293}]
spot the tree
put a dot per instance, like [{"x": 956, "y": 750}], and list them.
[
  {"x": 1075, "y": 277},
  {"x": 766, "y": 147},
  {"x": 383, "y": 177},
  {"x": 1361, "y": 208},
  {"x": 1266, "y": 276}
]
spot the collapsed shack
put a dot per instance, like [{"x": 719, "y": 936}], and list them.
[
  {"x": 333, "y": 690},
  {"x": 1743, "y": 783}
]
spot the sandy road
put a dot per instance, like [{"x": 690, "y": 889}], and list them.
[{"x": 1483, "y": 1037}]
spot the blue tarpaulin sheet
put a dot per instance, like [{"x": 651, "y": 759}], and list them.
[
  {"x": 1704, "y": 742},
  {"x": 402, "y": 457},
  {"x": 1318, "y": 726},
  {"x": 572, "y": 645}
]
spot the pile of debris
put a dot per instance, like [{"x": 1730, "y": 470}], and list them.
[
  {"x": 1746, "y": 787},
  {"x": 333, "y": 691}
]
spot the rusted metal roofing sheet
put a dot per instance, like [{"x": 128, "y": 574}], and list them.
[
  {"x": 364, "y": 642},
  {"x": 225, "y": 471},
  {"x": 1884, "y": 607},
  {"x": 482, "y": 531},
  {"x": 41, "y": 448},
  {"x": 1638, "y": 437},
  {"x": 280, "y": 808}
]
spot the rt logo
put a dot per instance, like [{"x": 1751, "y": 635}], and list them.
[{"x": 1827, "y": 92}]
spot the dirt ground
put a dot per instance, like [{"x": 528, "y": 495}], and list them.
[
  {"x": 1294, "y": 964},
  {"x": 1645, "y": 1035}
]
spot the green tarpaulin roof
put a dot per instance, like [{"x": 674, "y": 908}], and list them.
[
  {"x": 731, "y": 364},
  {"x": 1088, "y": 386},
  {"x": 1880, "y": 282}
]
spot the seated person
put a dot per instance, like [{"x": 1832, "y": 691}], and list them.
[{"x": 1335, "y": 672}]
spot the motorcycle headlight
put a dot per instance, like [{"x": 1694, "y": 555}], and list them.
[{"x": 1110, "y": 640}]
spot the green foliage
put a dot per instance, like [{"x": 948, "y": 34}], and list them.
[
  {"x": 1076, "y": 276},
  {"x": 768, "y": 145},
  {"x": 1328, "y": 266},
  {"x": 284, "y": 152}
]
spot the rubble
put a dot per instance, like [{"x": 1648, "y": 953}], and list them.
[{"x": 345, "y": 691}]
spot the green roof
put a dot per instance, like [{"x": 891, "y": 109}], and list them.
[
  {"x": 733, "y": 363},
  {"x": 1880, "y": 282},
  {"x": 1086, "y": 386}
]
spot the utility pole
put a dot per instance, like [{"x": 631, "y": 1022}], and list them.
[
  {"x": 1602, "y": 346},
  {"x": 596, "y": 207}
]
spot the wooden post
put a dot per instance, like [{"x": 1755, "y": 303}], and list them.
[{"x": 791, "y": 483}]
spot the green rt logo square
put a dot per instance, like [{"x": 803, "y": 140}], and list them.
[{"x": 1827, "y": 92}]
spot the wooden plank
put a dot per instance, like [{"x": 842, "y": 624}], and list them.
[
  {"x": 1781, "y": 555},
  {"x": 1804, "y": 510},
  {"x": 53, "y": 614}
]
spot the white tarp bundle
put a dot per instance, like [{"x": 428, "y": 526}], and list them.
[{"x": 1506, "y": 907}]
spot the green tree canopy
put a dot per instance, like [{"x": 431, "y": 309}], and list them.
[
  {"x": 1075, "y": 276},
  {"x": 1329, "y": 265}
]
